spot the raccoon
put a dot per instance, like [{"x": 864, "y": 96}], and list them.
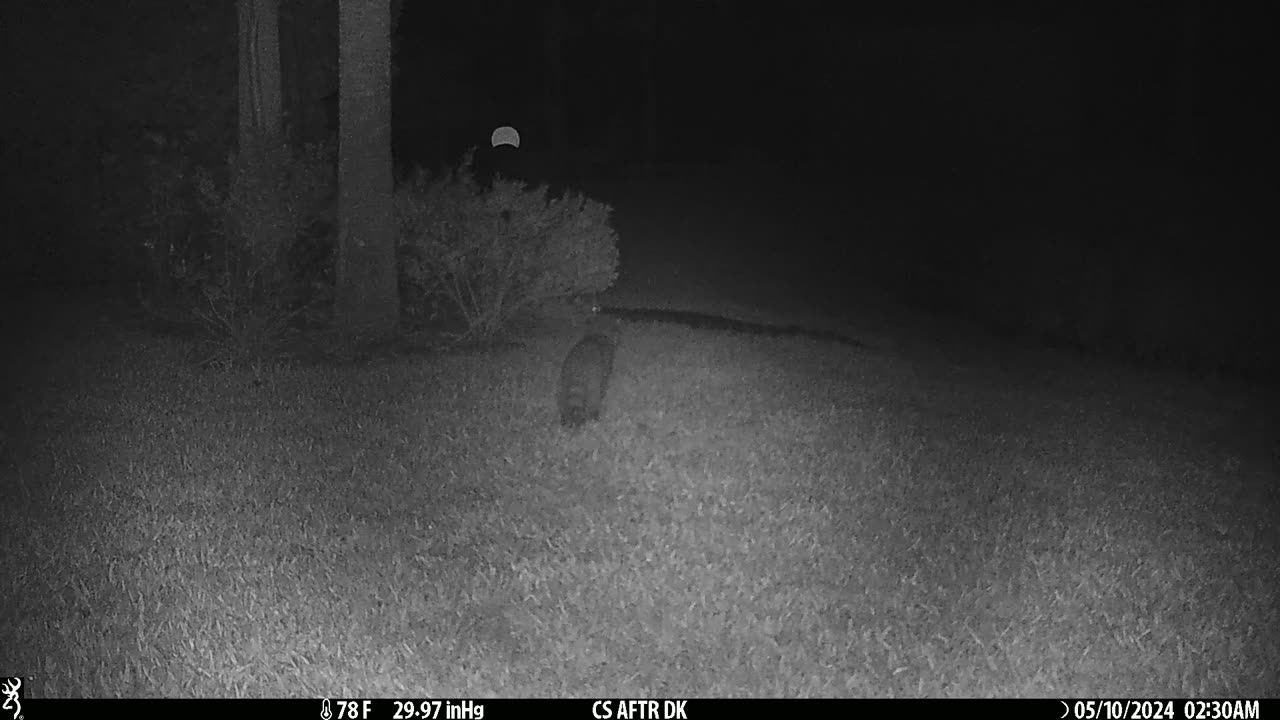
[{"x": 583, "y": 379}]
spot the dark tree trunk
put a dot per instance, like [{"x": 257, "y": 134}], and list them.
[{"x": 367, "y": 304}]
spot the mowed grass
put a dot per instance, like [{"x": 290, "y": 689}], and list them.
[{"x": 753, "y": 517}]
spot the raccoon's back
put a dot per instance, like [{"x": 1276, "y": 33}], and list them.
[{"x": 583, "y": 379}]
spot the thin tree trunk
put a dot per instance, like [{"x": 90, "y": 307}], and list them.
[
  {"x": 261, "y": 120},
  {"x": 1184, "y": 135},
  {"x": 367, "y": 304},
  {"x": 555, "y": 26},
  {"x": 260, "y": 96},
  {"x": 651, "y": 87}
]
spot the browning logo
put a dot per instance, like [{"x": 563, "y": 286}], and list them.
[{"x": 11, "y": 691}]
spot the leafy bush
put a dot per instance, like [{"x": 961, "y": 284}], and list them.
[
  {"x": 483, "y": 256},
  {"x": 221, "y": 245},
  {"x": 171, "y": 226}
]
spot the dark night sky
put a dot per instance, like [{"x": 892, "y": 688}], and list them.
[
  {"x": 961, "y": 122},
  {"x": 986, "y": 82},
  {"x": 1011, "y": 81}
]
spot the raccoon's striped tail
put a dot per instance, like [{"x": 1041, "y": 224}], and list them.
[{"x": 583, "y": 378}]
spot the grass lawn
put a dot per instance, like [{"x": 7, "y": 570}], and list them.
[{"x": 754, "y": 516}]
